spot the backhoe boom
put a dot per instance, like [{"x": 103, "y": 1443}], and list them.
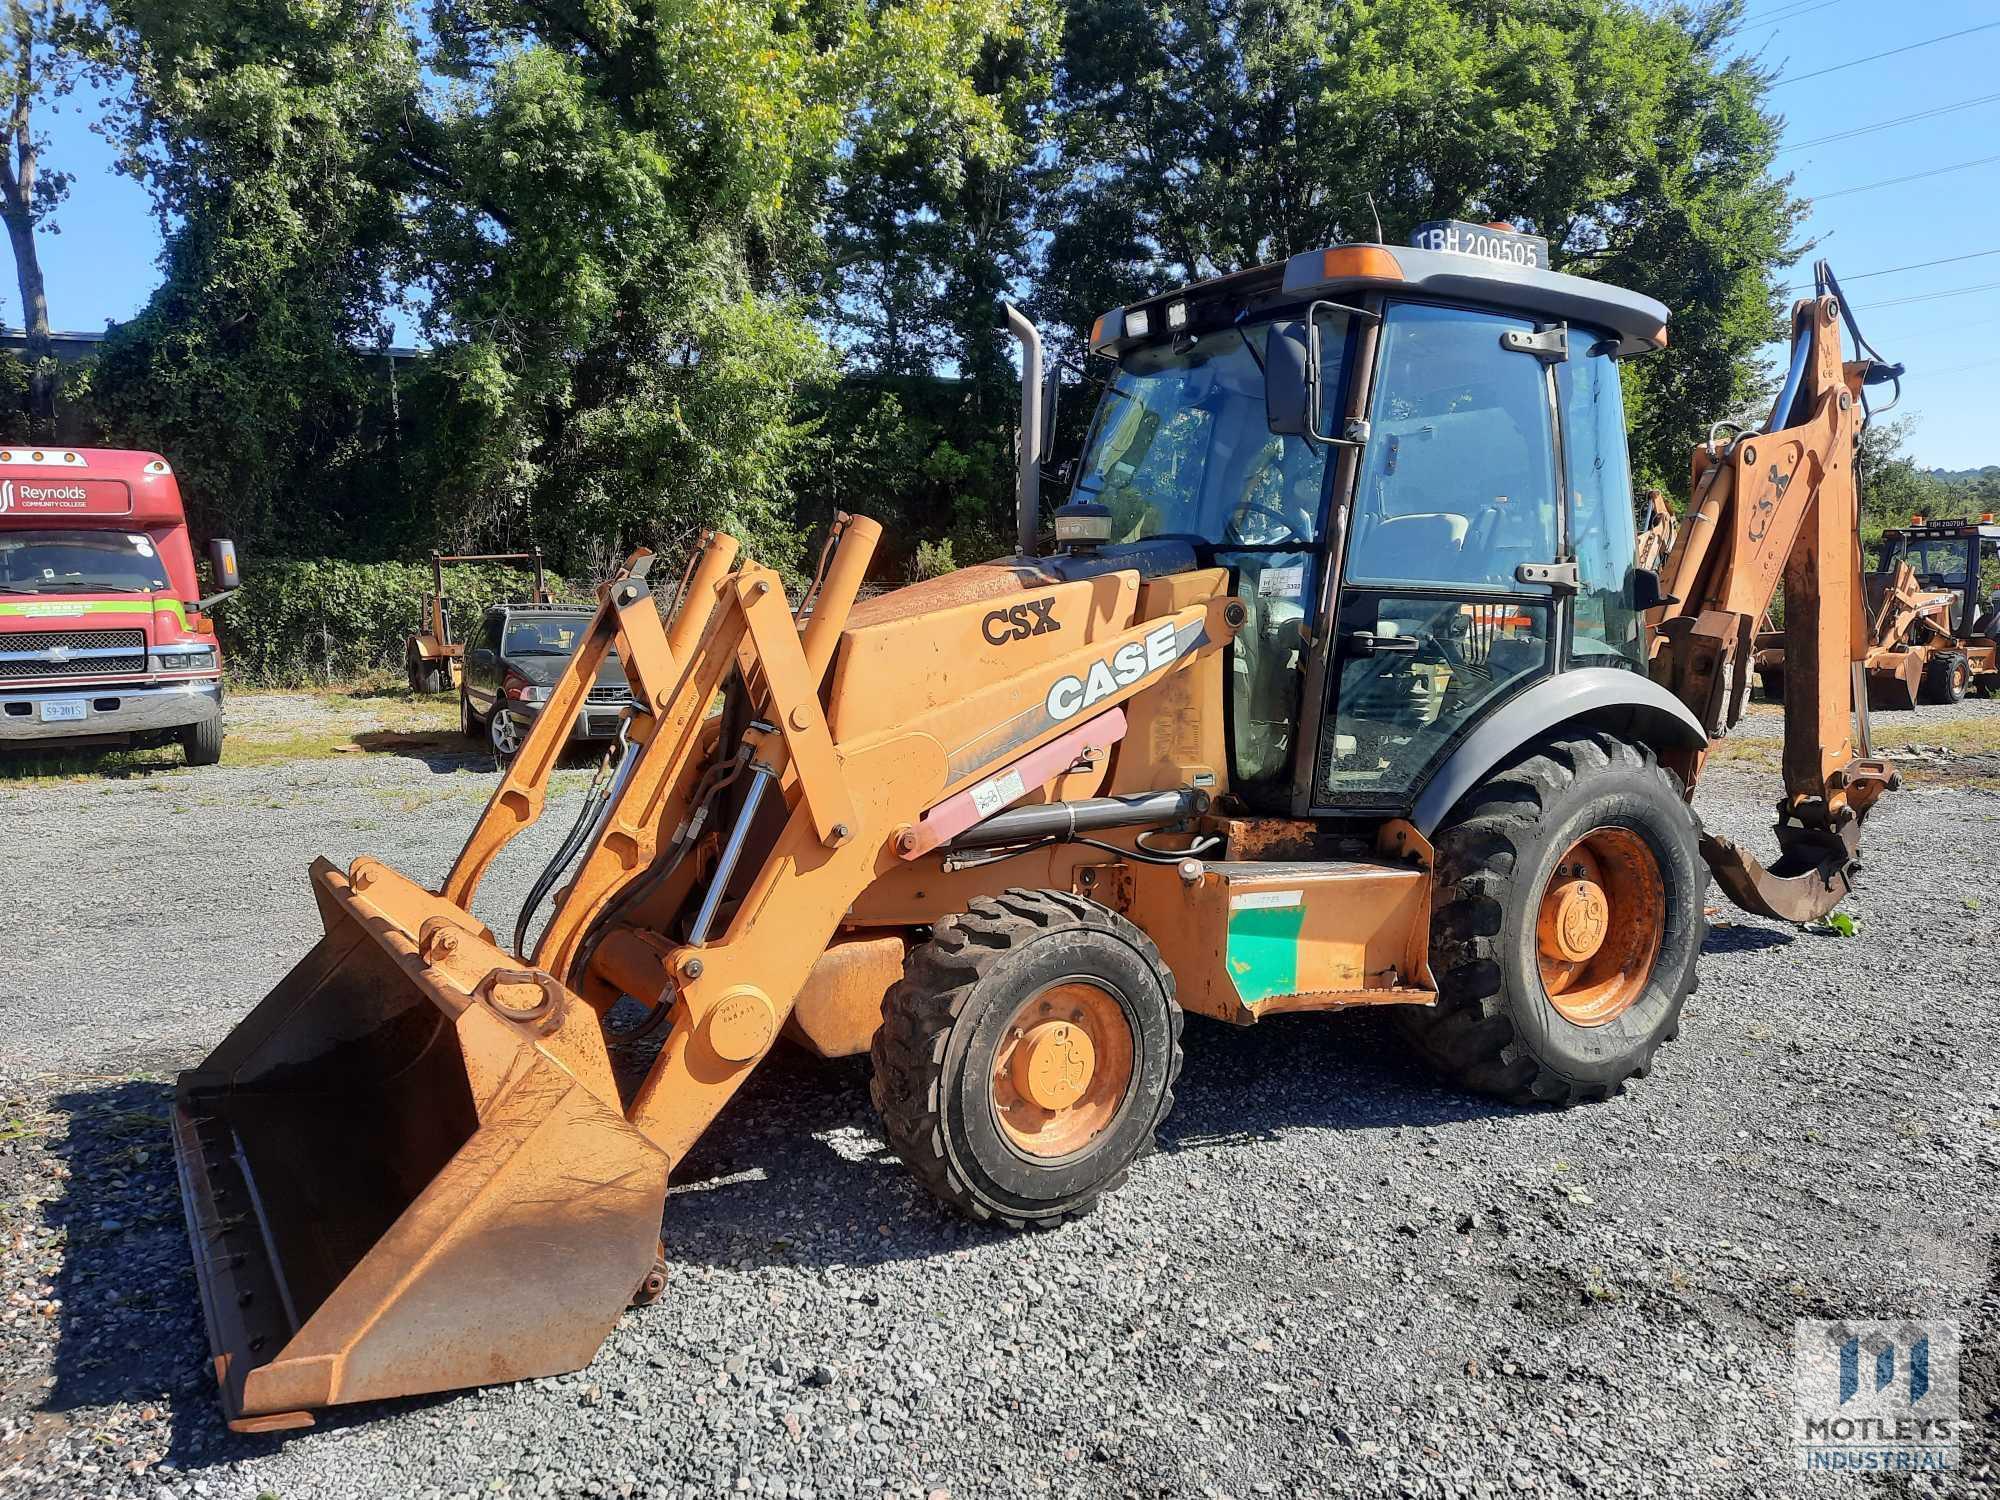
[{"x": 1782, "y": 506}]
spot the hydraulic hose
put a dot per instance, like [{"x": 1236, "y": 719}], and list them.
[{"x": 597, "y": 800}]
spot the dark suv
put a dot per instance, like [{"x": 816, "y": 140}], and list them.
[{"x": 512, "y": 663}]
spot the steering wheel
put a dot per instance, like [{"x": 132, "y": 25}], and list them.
[{"x": 1231, "y": 532}]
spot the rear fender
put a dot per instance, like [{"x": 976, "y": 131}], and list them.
[{"x": 1623, "y": 702}]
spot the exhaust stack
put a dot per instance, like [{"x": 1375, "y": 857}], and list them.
[{"x": 1028, "y": 481}]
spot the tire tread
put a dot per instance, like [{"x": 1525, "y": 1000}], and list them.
[
  {"x": 907, "y": 1078},
  {"x": 1468, "y": 1034}
]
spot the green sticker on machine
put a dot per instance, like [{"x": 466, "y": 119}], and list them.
[{"x": 1263, "y": 951}]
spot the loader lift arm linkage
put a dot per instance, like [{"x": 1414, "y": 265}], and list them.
[
  {"x": 438, "y": 1171},
  {"x": 1783, "y": 507}
]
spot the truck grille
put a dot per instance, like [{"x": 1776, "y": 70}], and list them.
[
  {"x": 71, "y": 653},
  {"x": 612, "y": 694}
]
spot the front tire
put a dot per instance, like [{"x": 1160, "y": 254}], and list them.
[
  {"x": 468, "y": 721},
  {"x": 201, "y": 743},
  {"x": 1947, "y": 676},
  {"x": 503, "y": 734},
  {"x": 1568, "y": 924},
  {"x": 1027, "y": 1057}
]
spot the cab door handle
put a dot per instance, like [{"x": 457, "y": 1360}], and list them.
[{"x": 1367, "y": 643}]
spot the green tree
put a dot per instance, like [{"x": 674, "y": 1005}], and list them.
[
  {"x": 923, "y": 246},
  {"x": 606, "y": 219},
  {"x": 255, "y": 365},
  {"x": 1202, "y": 136},
  {"x": 1893, "y": 488},
  {"x": 34, "y": 66}
]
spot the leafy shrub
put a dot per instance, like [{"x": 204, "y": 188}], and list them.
[
  {"x": 300, "y": 623},
  {"x": 933, "y": 560}
]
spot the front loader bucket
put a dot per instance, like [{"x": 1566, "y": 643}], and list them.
[
  {"x": 1894, "y": 679},
  {"x": 407, "y": 1170}
]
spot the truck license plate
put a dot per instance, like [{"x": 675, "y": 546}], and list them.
[{"x": 53, "y": 713}]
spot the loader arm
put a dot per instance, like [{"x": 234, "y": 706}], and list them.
[
  {"x": 1782, "y": 507},
  {"x": 417, "y": 1114}
]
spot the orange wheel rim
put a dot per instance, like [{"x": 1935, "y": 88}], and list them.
[
  {"x": 1063, "y": 1069},
  {"x": 1602, "y": 919}
]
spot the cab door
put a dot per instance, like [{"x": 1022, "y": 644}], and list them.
[
  {"x": 1440, "y": 613},
  {"x": 482, "y": 664}
]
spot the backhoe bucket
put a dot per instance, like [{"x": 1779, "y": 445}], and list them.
[
  {"x": 1811, "y": 877},
  {"x": 407, "y": 1170}
]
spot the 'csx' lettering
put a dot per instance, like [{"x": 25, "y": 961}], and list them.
[
  {"x": 1036, "y": 617},
  {"x": 1070, "y": 696}
]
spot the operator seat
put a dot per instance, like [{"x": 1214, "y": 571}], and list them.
[{"x": 1423, "y": 544}]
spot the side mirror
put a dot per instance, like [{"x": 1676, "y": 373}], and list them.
[
  {"x": 1291, "y": 378},
  {"x": 222, "y": 562},
  {"x": 1646, "y": 591},
  {"x": 222, "y": 558}
]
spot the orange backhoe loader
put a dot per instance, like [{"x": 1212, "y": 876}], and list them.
[
  {"x": 1338, "y": 687},
  {"x": 432, "y": 660},
  {"x": 1933, "y": 616}
]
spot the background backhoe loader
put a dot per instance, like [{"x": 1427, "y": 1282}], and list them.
[
  {"x": 1340, "y": 687},
  {"x": 1933, "y": 616},
  {"x": 434, "y": 662}
]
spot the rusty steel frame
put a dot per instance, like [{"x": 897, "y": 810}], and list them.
[
  {"x": 434, "y": 642},
  {"x": 1907, "y": 625}
]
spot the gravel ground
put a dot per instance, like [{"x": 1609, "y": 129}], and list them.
[{"x": 1335, "y": 1277}]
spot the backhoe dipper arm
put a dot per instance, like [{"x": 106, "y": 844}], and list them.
[{"x": 1782, "y": 505}]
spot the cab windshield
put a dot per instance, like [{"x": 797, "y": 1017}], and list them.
[
  {"x": 76, "y": 562},
  {"x": 1938, "y": 562},
  {"x": 1180, "y": 446}
]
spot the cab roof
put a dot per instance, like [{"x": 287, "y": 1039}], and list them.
[
  {"x": 102, "y": 463},
  {"x": 1638, "y": 322},
  {"x": 1945, "y": 528}
]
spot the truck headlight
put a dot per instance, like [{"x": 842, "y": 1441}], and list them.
[{"x": 188, "y": 658}]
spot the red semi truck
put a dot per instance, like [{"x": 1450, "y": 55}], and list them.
[{"x": 102, "y": 639}]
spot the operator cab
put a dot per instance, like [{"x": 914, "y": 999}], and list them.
[
  {"x": 1413, "y": 463},
  {"x": 1958, "y": 557}
]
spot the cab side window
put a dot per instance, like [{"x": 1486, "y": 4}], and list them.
[{"x": 1602, "y": 526}]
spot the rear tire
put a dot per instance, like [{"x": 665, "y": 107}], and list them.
[
  {"x": 202, "y": 743},
  {"x": 1515, "y": 1016},
  {"x": 957, "y": 1073},
  {"x": 1773, "y": 684},
  {"x": 1947, "y": 676}
]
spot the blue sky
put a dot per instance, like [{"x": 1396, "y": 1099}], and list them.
[{"x": 102, "y": 266}]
